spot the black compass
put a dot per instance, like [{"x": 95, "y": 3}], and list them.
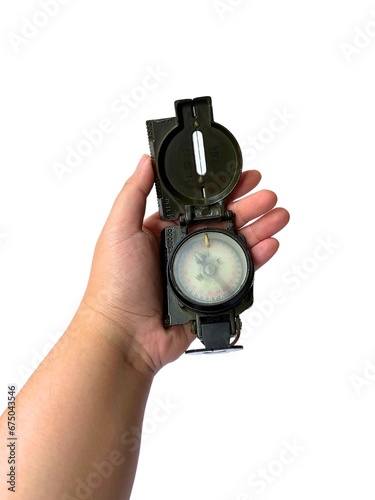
[{"x": 207, "y": 271}]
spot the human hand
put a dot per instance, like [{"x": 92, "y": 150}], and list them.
[{"x": 124, "y": 292}]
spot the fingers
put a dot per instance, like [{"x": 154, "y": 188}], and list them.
[
  {"x": 269, "y": 221},
  {"x": 266, "y": 226},
  {"x": 249, "y": 180},
  {"x": 248, "y": 208},
  {"x": 264, "y": 251},
  {"x": 129, "y": 207},
  {"x": 260, "y": 206},
  {"x": 252, "y": 206}
]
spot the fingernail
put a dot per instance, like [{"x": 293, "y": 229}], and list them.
[{"x": 142, "y": 160}]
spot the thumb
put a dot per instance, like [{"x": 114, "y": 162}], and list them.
[{"x": 130, "y": 205}]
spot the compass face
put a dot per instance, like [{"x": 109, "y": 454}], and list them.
[{"x": 209, "y": 268}]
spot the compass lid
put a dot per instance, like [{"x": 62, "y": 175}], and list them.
[{"x": 197, "y": 162}]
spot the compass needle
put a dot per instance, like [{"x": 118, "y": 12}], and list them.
[{"x": 222, "y": 284}]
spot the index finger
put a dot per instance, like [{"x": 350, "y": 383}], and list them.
[{"x": 248, "y": 181}]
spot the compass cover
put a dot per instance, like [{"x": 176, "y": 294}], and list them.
[{"x": 197, "y": 162}]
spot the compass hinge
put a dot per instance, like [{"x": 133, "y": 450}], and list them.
[{"x": 205, "y": 215}]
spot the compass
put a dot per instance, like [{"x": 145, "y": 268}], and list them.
[{"x": 207, "y": 270}]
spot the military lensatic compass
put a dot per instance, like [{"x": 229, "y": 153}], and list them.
[{"x": 207, "y": 271}]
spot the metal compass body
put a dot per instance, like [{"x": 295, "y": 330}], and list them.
[{"x": 207, "y": 272}]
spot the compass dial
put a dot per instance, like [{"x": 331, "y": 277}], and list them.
[{"x": 209, "y": 268}]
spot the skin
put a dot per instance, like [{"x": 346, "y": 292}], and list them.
[{"x": 76, "y": 412}]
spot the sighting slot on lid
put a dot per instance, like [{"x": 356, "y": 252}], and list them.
[{"x": 199, "y": 153}]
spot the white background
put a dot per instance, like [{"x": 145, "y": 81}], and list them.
[{"x": 305, "y": 375}]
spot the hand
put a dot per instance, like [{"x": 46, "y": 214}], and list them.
[{"x": 124, "y": 292}]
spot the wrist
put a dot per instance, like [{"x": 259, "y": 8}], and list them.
[{"x": 92, "y": 326}]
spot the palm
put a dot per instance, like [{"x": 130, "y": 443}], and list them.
[
  {"x": 143, "y": 296},
  {"x": 126, "y": 270}
]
